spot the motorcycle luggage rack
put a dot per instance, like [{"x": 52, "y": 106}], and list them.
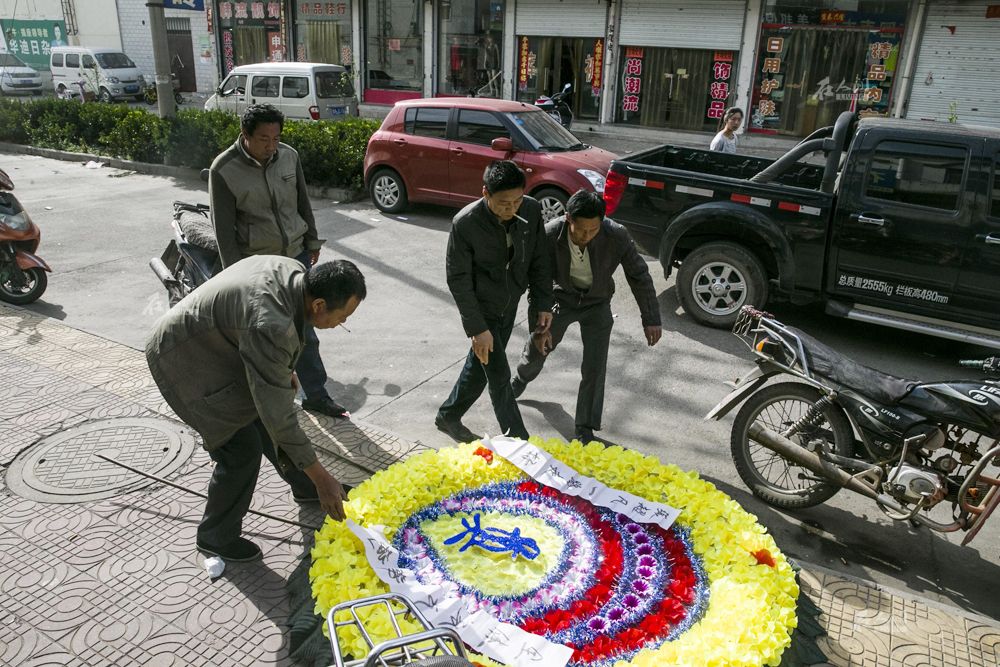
[
  {"x": 756, "y": 328},
  {"x": 405, "y": 649}
]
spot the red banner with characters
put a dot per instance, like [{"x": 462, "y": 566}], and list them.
[
  {"x": 632, "y": 79},
  {"x": 720, "y": 86}
]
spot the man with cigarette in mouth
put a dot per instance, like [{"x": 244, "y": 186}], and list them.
[{"x": 496, "y": 251}]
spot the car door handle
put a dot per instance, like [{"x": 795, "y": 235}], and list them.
[
  {"x": 458, "y": 151},
  {"x": 867, "y": 220},
  {"x": 399, "y": 142},
  {"x": 991, "y": 239}
]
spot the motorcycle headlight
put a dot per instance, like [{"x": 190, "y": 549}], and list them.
[
  {"x": 596, "y": 179},
  {"x": 18, "y": 222},
  {"x": 114, "y": 79}
]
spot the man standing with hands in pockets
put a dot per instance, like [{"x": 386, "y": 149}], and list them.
[
  {"x": 586, "y": 249},
  {"x": 496, "y": 252}
]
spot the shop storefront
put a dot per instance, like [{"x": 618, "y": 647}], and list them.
[
  {"x": 323, "y": 32},
  {"x": 814, "y": 62},
  {"x": 252, "y": 32},
  {"x": 957, "y": 73},
  {"x": 470, "y": 48},
  {"x": 557, "y": 45},
  {"x": 393, "y": 38},
  {"x": 683, "y": 77}
]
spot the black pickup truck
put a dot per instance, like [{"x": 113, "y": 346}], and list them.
[{"x": 897, "y": 223}]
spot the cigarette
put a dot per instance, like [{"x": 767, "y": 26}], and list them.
[
  {"x": 345, "y": 328},
  {"x": 520, "y": 218}
]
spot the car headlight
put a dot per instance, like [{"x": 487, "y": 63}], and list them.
[
  {"x": 114, "y": 79},
  {"x": 142, "y": 79},
  {"x": 8, "y": 77},
  {"x": 596, "y": 179},
  {"x": 18, "y": 222}
]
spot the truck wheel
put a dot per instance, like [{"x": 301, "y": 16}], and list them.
[
  {"x": 388, "y": 191},
  {"x": 553, "y": 203},
  {"x": 772, "y": 478},
  {"x": 717, "y": 279}
]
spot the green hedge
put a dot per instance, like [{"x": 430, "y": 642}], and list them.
[{"x": 332, "y": 152}]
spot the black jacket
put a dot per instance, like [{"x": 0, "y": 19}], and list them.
[
  {"x": 610, "y": 247},
  {"x": 480, "y": 278}
]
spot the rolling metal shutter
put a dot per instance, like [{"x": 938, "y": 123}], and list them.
[
  {"x": 963, "y": 67},
  {"x": 552, "y": 18},
  {"x": 709, "y": 24}
]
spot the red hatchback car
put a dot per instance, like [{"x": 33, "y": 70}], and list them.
[{"x": 435, "y": 151}]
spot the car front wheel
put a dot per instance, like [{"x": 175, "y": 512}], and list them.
[
  {"x": 553, "y": 203},
  {"x": 104, "y": 96},
  {"x": 388, "y": 191}
]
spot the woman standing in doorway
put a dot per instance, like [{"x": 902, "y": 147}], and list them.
[{"x": 725, "y": 141}]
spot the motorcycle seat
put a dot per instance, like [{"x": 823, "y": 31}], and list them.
[
  {"x": 826, "y": 362},
  {"x": 205, "y": 261},
  {"x": 197, "y": 229}
]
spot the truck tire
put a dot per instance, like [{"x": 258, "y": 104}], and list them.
[
  {"x": 771, "y": 477},
  {"x": 717, "y": 279},
  {"x": 388, "y": 191}
]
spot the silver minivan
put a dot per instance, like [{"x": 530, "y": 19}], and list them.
[
  {"x": 108, "y": 74},
  {"x": 311, "y": 91},
  {"x": 16, "y": 77}
]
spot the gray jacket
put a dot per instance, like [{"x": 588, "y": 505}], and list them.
[
  {"x": 224, "y": 355},
  {"x": 260, "y": 210}
]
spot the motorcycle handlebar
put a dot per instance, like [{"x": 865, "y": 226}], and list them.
[{"x": 988, "y": 365}]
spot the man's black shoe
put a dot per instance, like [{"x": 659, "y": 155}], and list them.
[
  {"x": 584, "y": 435},
  {"x": 326, "y": 406},
  {"x": 517, "y": 385},
  {"x": 455, "y": 429},
  {"x": 240, "y": 550}
]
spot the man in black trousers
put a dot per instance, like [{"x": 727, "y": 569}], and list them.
[
  {"x": 496, "y": 251},
  {"x": 585, "y": 250}
]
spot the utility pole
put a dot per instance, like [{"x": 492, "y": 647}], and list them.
[{"x": 161, "y": 59}]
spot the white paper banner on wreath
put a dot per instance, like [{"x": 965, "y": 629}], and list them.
[
  {"x": 546, "y": 469},
  {"x": 506, "y": 643}
]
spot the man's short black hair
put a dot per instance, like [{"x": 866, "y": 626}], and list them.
[
  {"x": 336, "y": 282},
  {"x": 584, "y": 204},
  {"x": 503, "y": 175},
  {"x": 259, "y": 114}
]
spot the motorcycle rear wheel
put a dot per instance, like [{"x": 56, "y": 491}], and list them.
[
  {"x": 33, "y": 285},
  {"x": 773, "y": 478}
]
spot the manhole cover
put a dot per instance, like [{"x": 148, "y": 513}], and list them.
[{"x": 62, "y": 468}]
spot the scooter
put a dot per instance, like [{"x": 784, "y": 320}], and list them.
[
  {"x": 556, "y": 106},
  {"x": 22, "y": 273},
  {"x": 150, "y": 95},
  {"x": 192, "y": 256}
]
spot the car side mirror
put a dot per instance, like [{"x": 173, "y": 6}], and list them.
[{"x": 502, "y": 144}]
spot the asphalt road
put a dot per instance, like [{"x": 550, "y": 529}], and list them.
[{"x": 405, "y": 347}]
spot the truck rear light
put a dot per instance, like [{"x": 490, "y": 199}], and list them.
[
  {"x": 614, "y": 188},
  {"x": 314, "y": 112}
]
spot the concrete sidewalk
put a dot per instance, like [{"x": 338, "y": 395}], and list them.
[{"x": 99, "y": 567}]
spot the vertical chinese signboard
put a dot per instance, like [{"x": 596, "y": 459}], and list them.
[
  {"x": 721, "y": 84},
  {"x": 228, "y": 61},
  {"x": 769, "y": 93},
  {"x": 527, "y": 71},
  {"x": 631, "y": 80},
  {"x": 32, "y": 41},
  {"x": 597, "y": 68},
  {"x": 880, "y": 69}
]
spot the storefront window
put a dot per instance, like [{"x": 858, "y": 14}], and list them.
[
  {"x": 323, "y": 32},
  {"x": 817, "y": 59},
  {"x": 683, "y": 89},
  {"x": 252, "y": 32},
  {"x": 394, "y": 43},
  {"x": 470, "y": 43},
  {"x": 546, "y": 64}
]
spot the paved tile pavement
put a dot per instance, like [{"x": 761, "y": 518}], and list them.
[{"x": 116, "y": 581}]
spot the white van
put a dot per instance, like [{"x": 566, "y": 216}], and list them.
[
  {"x": 16, "y": 77},
  {"x": 107, "y": 73},
  {"x": 300, "y": 90}
]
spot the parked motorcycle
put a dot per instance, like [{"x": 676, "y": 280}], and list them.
[
  {"x": 922, "y": 447},
  {"x": 192, "y": 256},
  {"x": 150, "y": 94},
  {"x": 22, "y": 273},
  {"x": 557, "y": 107}
]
